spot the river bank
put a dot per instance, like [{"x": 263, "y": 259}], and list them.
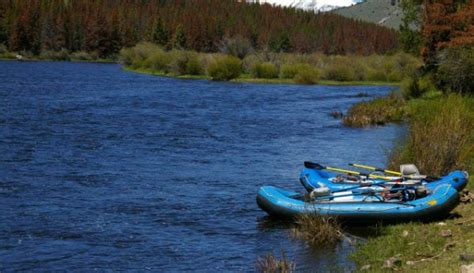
[
  {"x": 249, "y": 79},
  {"x": 270, "y": 67},
  {"x": 63, "y": 55},
  {"x": 439, "y": 139}
]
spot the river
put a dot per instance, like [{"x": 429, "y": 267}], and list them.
[{"x": 107, "y": 170}]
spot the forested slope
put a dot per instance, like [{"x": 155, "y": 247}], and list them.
[{"x": 107, "y": 26}]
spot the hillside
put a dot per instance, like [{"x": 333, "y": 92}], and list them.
[
  {"x": 104, "y": 27},
  {"x": 386, "y": 13}
]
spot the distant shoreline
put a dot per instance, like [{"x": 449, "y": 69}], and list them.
[{"x": 246, "y": 78}]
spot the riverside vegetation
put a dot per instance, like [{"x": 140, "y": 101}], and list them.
[
  {"x": 264, "y": 66},
  {"x": 439, "y": 108}
]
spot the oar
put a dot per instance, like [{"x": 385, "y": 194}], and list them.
[
  {"x": 317, "y": 166},
  {"x": 429, "y": 178},
  {"x": 374, "y": 169},
  {"x": 359, "y": 186}
]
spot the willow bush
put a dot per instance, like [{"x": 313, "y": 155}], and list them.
[
  {"x": 225, "y": 68},
  {"x": 302, "y": 68}
]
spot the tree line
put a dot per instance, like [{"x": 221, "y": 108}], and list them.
[{"x": 106, "y": 26}]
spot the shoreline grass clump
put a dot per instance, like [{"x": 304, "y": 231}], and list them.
[
  {"x": 441, "y": 135},
  {"x": 317, "y": 229},
  {"x": 271, "y": 264},
  {"x": 376, "y": 112}
]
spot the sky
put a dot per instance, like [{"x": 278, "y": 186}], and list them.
[{"x": 320, "y": 3}]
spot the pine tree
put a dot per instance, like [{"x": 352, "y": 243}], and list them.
[
  {"x": 179, "y": 40},
  {"x": 161, "y": 35},
  {"x": 410, "y": 36}
]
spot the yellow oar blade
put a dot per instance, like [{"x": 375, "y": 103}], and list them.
[{"x": 375, "y": 169}]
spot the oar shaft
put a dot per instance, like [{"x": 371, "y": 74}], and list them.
[
  {"x": 317, "y": 166},
  {"x": 358, "y": 173},
  {"x": 375, "y": 169}
]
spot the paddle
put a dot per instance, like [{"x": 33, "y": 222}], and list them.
[
  {"x": 428, "y": 178},
  {"x": 317, "y": 166}
]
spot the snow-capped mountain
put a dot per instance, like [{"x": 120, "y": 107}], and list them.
[{"x": 316, "y": 5}]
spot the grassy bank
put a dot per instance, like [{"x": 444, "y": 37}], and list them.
[
  {"x": 440, "y": 139},
  {"x": 246, "y": 78},
  {"x": 267, "y": 67}
]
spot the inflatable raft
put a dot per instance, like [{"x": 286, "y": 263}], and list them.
[
  {"x": 356, "y": 206},
  {"x": 312, "y": 179}
]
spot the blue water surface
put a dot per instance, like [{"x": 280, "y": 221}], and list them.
[{"x": 102, "y": 169}]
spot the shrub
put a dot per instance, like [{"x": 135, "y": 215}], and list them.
[
  {"x": 249, "y": 62},
  {"x": 301, "y": 73},
  {"x": 238, "y": 47},
  {"x": 265, "y": 71},
  {"x": 394, "y": 76},
  {"x": 307, "y": 75},
  {"x": 339, "y": 72},
  {"x": 137, "y": 55},
  {"x": 405, "y": 64},
  {"x": 415, "y": 87},
  {"x": 127, "y": 55},
  {"x": 4, "y": 53},
  {"x": 159, "y": 60},
  {"x": 289, "y": 71},
  {"x": 411, "y": 89},
  {"x": 225, "y": 68},
  {"x": 376, "y": 75},
  {"x": 3, "y": 49},
  {"x": 456, "y": 70},
  {"x": 185, "y": 63},
  {"x": 193, "y": 65}
]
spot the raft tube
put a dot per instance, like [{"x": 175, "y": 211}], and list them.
[{"x": 288, "y": 204}]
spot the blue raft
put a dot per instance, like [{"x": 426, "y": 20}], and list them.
[
  {"x": 312, "y": 179},
  {"x": 360, "y": 208}
]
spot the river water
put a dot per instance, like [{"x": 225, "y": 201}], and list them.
[{"x": 102, "y": 169}]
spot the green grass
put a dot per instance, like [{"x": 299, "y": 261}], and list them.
[
  {"x": 376, "y": 112},
  {"x": 440, "y": 138},
  {"x": 421, "y": 246}
]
